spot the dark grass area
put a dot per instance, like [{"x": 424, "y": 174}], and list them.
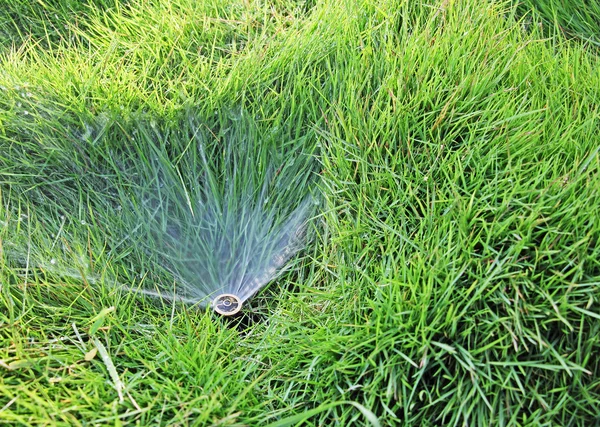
[
  {"x": 48, "y": 23},
  {"x": 577, "y": 20}
]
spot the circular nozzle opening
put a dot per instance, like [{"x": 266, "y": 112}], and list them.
[{"x": 227, "y": 304}]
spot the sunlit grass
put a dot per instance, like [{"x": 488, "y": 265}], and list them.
[{"x": 453, "y": 274}]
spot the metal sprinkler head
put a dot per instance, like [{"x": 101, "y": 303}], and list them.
[{"x": 227, "y": 304}]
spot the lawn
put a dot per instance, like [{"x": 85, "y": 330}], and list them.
[{"x": 451, "y": 267}]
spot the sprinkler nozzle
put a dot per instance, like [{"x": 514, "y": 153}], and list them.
[{"x": 227, "y": 304}]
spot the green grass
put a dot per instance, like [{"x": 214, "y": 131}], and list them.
[
  {"x": 575, "y": 20},
  {"x": 454, "y": 274}
]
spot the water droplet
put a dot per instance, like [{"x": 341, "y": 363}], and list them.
[
  {"x": 52, "y": 261},
  {"x": 83, "y": 222}
]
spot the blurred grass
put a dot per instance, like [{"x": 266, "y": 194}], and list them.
[{"x": 455, "y": 275}]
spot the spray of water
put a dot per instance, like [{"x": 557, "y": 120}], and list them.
[
  {"x": 223, "y": 213},
  {"x": 218, "y": 209}
]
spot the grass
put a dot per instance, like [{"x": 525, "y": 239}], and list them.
[
  {"x": 454, "y": 274},
  {"x": 573, "y": 20}
]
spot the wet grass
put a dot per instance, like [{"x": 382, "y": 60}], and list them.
[{"x": 453, "y": 276}]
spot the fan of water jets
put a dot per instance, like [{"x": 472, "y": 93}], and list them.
[{"x": 222, "y": 211}]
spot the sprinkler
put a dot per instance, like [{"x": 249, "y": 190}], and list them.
[{"x": 227, "y": 304}]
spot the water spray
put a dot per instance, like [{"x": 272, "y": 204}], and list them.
[{"x": 221, "y": 211}]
